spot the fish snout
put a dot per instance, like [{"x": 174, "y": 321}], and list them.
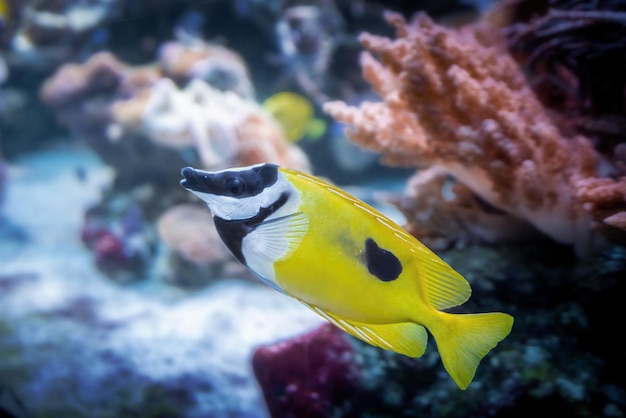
[
  {"x": 189, "y": 178},
  {"x": 194, "y": 180}
]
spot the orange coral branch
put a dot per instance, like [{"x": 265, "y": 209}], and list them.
[{"x": 451, "y": 101}]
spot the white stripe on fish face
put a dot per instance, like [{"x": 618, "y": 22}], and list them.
[
  {"x": 255, "y": 212},
  {"x": 241, "y": 208},
  {"x": 236, "y": 194}
]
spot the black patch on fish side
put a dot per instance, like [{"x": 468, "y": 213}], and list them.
[
  {"x": 232, "y": 232},
  {"x": 239, "y": 184},
  {"x": 382, "y": 264}
]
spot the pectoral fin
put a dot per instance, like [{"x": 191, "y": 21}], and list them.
[
  {"x": 406, "y": 338},
  {"x": 278, "y": 238},
  {"x": 271, "y": 241}
]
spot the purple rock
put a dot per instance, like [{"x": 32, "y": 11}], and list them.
[{"x": 307, "y": 376}]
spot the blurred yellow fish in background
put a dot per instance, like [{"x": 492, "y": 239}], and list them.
[
  {"x": 5, "y": 13},
  {"x": 295, "y": 114}
]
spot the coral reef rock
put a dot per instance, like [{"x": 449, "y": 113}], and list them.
[
  {"x": 43, "y": 34},
  {"x": 135, "y": 118},
  {"x": 574, "y": 55},
  {"x": 218, "y": 66},
  {"x": 449, "y": 100},
  {"x": 444, "y": 212},
  {"x": 197, "y": 254},
  {"x": 146, "y": 127},
  {"x": 307, "y": 376},
  {"x": 123, "y": 244},
  {"x": 84, "y": 98},
  {"x": 223, "y": 128}
]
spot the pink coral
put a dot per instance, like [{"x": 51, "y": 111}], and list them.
[{"x": 450, "y": 101}]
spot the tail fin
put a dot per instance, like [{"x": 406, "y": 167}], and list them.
[{"x": 463, "y": 340}]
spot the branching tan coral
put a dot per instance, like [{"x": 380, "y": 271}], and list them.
[{"x": 451, "y": 101}]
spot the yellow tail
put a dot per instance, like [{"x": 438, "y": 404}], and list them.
[{"x": 463, "y": 340}]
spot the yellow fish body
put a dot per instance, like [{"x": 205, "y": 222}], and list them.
[{"x": 347, "y": 262}]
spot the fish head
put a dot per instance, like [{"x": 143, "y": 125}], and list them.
[{"x": 258, "y": 192}]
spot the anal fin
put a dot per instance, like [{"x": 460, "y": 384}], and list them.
[{"x": 407, "y": 338}]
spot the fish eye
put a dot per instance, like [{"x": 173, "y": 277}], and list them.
[{"x": 234, "y": 186}]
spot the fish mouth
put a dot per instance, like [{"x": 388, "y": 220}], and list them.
[{"x": 193, "y": 179}]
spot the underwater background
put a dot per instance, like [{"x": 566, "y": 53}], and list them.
[{"x": 494, "y": 132}]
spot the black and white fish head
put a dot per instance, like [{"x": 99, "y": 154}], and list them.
[
  {"x": 256, "y": 193},
  {"x": 255, "y": 210}
]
